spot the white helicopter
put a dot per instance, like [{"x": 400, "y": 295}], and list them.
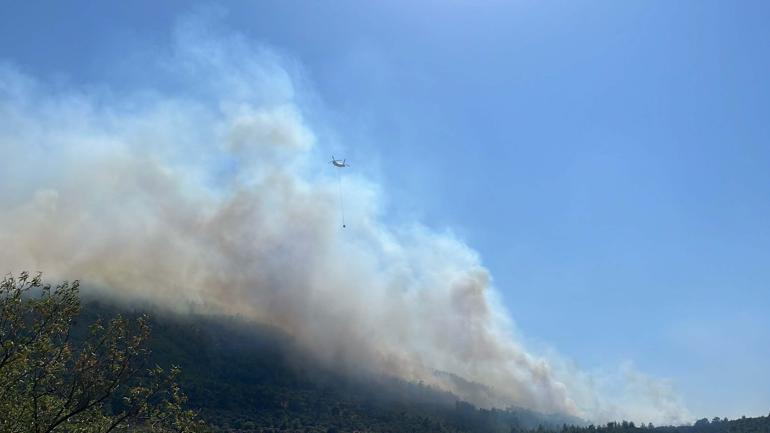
[{"x": 339, "y": 162}]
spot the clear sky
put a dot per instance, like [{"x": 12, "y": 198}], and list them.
[{"x": 610, "y": 160}]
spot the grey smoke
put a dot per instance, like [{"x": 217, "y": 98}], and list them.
[{"x": 219, "y": 199}]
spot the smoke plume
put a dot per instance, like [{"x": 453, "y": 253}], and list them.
[{"x": 216, "y": 196}]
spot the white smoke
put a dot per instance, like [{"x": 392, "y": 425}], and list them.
[{"x": 220, "y": 198}]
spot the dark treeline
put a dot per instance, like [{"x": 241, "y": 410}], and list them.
[
  {"x": 242, "y": 377},
  {"x": 716, "y": 425}
]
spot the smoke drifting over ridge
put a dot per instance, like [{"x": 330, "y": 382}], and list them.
[{"x": 218, "y": 198}]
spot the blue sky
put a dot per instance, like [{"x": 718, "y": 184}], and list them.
[{"x": 609, "y": 160}]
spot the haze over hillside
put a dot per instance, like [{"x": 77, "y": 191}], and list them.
[
  {"x": 217, "y": 199},
  {"x": 245, "y": 377},
  {"x": 200, "y": 184}
]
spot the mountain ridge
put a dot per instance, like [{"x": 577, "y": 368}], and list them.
[
  {"x": 240, "y": 374},
  {"x": 244, "y": 376}
]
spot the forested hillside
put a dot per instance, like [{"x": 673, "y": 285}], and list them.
[
  {"x": 244, "y": 377},
  {"x": 241, "y": 376}
]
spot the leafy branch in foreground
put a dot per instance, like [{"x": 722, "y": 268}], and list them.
[{"x": 52, "y": 382}]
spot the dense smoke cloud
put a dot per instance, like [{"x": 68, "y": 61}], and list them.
[{"x": 218, "y": 198}]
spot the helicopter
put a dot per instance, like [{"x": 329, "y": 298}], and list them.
[{"x": 339, "y": 162}]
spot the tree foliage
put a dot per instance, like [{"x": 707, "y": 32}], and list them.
[{"x": 98, "y": 382}]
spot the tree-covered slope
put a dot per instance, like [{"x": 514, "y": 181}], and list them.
[{"x": 245, "y": 377}]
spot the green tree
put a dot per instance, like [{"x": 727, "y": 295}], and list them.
[{"x": 53, "y": 382}]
